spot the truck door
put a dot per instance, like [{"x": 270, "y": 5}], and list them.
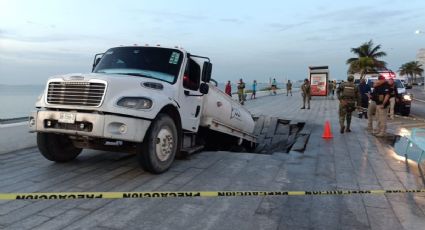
[{"x": 190, "y": 97}]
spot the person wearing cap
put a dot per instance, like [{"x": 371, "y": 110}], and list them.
[
  {"x": 306, "y": 93},
  {"x": 380, "y": 97},
  {"x": 348, "y": 96}
]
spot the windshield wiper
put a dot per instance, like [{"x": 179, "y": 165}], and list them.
[{"x": 136, "y": 74}]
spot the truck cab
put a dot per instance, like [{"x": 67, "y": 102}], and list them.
[{"x": 155, "y": 102}]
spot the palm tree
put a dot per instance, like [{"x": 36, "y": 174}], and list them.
[
  {"x": 412, "y": 69},
  {"x": 367, "y": 59}
]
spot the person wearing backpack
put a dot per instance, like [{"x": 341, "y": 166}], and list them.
[{"x": 348, "y": 95}]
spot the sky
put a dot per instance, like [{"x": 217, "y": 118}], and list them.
[{"x": 255, "y": 40}]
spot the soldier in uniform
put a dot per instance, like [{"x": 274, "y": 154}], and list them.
[
  {"x": 348, "y": 96},
  {"x": 241, "y": 89},
  {"x": 306, "y": 93},
  {"x": 289, "y": 88}
]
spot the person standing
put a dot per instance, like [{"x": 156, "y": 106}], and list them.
[
  {"x": 306, "y": 93},
  {"x": 228, "y": 89},
  {"x": 380, "y": 97},
  {"x": 274, "y": 86},
  {"x": 330, "y": 88},
  {"x": 364, "y": 98},
  {"x": 241, "y": 88},
  {"x": 348, "y": 96},
  {"x": 289, "y": 88},
  {"x": 254, "y": 89},
  {"x": 333, "y": 88},
  {"x": 393, "y": 97}
]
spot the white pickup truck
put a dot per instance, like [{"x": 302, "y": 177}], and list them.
[{"x": 152, "y": 101}]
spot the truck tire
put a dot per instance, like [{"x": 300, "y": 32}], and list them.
[
  {"x": 160, "y": 145},
  {"x": 55, "y": 147}
]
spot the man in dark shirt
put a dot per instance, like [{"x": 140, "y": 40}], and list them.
[
  {"x": 393, "y": 97},
  {"x": 381, "y": 96},
  {"x": 364, "y": 97}
]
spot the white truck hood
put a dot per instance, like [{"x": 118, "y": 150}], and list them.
[{"x": 117, "y": 87}]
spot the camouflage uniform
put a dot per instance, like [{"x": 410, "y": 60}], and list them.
[
  {"x": 306, "y": 93},
  {"x": 348, "y": 96},
  {"x": 241, "y": 88}
]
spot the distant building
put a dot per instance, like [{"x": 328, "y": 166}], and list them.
[{"x": 420, "y": 57}]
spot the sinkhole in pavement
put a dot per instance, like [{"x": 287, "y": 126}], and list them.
[{"x": 273, "y": 135}]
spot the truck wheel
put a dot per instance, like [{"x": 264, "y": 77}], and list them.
[
  {"x": 57, "y": 147},
  {"x": 160, "y": 145}
]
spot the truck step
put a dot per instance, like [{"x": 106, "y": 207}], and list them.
[{"x": 191, "y": 150}]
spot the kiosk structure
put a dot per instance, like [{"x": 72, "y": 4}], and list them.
[{"x": 319, "y": 76}]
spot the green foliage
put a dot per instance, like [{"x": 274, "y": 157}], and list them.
[
  {"x": 412, "y": 69},
  {"x": 367, "y": 59}
]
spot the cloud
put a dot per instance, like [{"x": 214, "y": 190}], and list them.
[
  {"x": 231, "y": 20},
  {"x": 45, "y": 38},
  {"x": 172, "y": 16},
  {"x": 361, "y": 15},
  {"x": 283, "y": 27},
  {"x": 50, "y": 26}
]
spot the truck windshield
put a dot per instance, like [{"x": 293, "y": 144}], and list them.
[{"x": 152, "y": 62}]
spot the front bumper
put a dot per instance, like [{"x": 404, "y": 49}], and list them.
[{"x": 91, "y": 125}]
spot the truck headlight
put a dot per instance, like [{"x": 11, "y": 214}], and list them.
[
  {"x": 407, "y": 97},
  {"x": 135, "y": 102}
]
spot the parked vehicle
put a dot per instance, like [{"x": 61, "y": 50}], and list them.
[
  {"x": 156, "y": 102},
  {"x": 406, "y": 82}
]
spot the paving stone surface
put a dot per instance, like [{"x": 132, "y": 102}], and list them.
[{"x": 354, "y": 160}]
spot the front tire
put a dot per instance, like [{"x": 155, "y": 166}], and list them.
[
  {"x": 56, "y": 147},
  {"x": 160, "y": 145}
]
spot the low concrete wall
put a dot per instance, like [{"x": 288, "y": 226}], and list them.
[{"x": 15, "y": 136}]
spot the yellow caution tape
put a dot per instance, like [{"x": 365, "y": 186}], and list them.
[{"x": 138, "y": 195}]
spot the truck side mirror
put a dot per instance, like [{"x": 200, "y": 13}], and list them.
[
  {"x": 204, "y": 88},
  {"x": 206, "y": 72},
  {"x": 96, "y": 61}
]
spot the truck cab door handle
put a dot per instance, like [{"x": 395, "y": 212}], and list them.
[
  {"x": 187, "y": 93},
  {"x": 198, "y": 109}
]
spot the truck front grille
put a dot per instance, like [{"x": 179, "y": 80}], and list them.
[{"x": 76, "y": 93}]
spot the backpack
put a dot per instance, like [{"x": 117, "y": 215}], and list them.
[{"x": 349, "y": 91}]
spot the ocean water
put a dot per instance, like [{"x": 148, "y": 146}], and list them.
[{"x": 19, "y": 100}]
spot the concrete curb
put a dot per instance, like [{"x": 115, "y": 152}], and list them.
[
  {"x": 419, "y": 100},
  {"x": 16, "y": 136}
]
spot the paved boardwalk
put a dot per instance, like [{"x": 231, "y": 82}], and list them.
[{"x": 350, "y": 161}]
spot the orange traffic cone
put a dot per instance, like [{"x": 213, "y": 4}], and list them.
[{"x": 327, "y": 133}]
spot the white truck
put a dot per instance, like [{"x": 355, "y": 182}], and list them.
[{"x": 153, "y": 101}]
